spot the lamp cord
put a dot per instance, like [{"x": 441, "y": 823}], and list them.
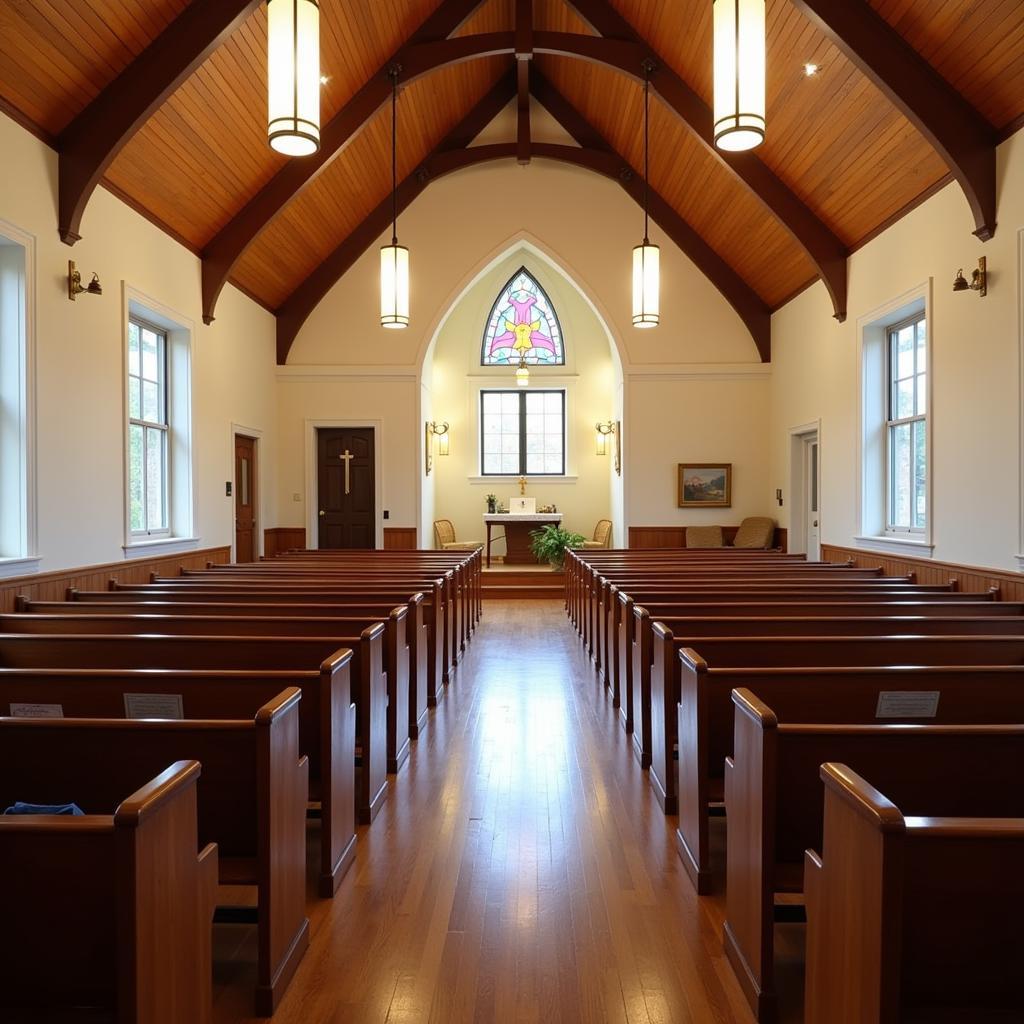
[
  {"x": 394, "y": 158},
  {"x": 647, "y": 144}
]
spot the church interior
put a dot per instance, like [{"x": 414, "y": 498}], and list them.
[{"x": 489, "y": 511}]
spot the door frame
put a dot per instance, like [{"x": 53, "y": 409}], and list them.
[
  {"x": 261, "y": 491},
  {"x": 312, "y": 498},
  {"x": 797, "y": 534}
]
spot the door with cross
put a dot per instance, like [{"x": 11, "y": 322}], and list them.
[{"x": 345, "y": 487}]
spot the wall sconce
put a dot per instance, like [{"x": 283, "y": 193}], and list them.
[
  {"x": 440, "y": 430},
  {"x": 606, "y": 431},
  {"x": 979, "y": 279},
  {"x": 75, "y": 286}
]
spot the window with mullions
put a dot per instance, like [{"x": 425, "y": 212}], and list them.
[
  {"x": 147, "y": 429},
  {"x": 907, "y": 427},
  {"x": 522, "y": 433}
]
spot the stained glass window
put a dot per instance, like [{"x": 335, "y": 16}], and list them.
[{"x": 522, "y": 325}]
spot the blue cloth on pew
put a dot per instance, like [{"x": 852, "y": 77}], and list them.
[{"x": 22, "y": 808}]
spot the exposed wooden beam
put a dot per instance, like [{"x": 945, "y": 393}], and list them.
[
  {"x": 593, "y": 154},
  {"x": 961, "y": 136},
  {"x": 444, "y": 158},
  {"x": 223, "y": 251},
  {"x": 89, "y": 144},
  {"x": 523, "y": 111},
  {"x": 754, "y": 312},
  {"x": 823, "y": 247}
]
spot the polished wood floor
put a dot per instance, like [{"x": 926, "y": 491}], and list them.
[{"x": 519, "y": 871}]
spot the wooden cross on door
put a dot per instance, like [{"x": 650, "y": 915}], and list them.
[{"x": 347, "y": 459}]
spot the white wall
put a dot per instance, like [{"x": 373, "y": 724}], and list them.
[
  {"x": 79, "y": 364},
  {"x": 976, "y": 388}
]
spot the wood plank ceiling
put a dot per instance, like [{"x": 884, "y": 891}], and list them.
[{"x": 834, "y": 140}]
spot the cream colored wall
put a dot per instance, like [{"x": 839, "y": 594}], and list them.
[
  {"x": 976, "y": 389},
  {"x": 79, "y": 364},
  {"x": 588, "y": 377},
  {"x": 586, "y": 226}
]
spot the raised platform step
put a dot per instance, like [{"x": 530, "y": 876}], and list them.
[
  {"x": 529, "y": 593},
  {"x": 510, "y": 583}
]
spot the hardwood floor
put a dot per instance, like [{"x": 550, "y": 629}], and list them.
[{"x": 519, "y": 871}]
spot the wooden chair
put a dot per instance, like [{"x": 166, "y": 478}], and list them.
[
  {"x": 602, "y": 535},
  {"x": 755, "y": 532},
  {"x": 704, "y": 537},
  {"x": 444, "y": 534}
]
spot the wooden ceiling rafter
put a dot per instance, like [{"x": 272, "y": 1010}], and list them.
[
  {"x": 223, "y": 251},
  {"x": 593, "y": 153},
  {"x": 825, "y": 250},
  {"x": 88, "y": 144},
  {"x": 955, "y": 129}
]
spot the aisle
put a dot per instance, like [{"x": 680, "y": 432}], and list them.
[{"x": 520, "y": 869}]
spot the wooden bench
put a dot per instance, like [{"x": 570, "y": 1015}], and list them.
[
  {"x": 774, "y": 797},
  {"x": 327, "y": 724},
  {"x": 880, "y": 946},
  {"x": 251, "y": 802},
  {"x": 284, "y": 653},
  {"x": 108, "y": 915},
  {"x": 415, "y": 628}
]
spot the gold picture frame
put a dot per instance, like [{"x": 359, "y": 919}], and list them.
[{"x": 705, "y": 484}]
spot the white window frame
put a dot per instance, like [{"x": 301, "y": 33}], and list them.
[
  {"x": 180, "y": 534},
  {"x": 893, "y": 423},
  {"x": 873, "y": 520},
  {"x": 522, "y": 454},
  {"x": 160, "y": 424},
  {"x": 18, "y": 522}
]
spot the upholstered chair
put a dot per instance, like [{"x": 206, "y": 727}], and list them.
[
  {"x": 704, "y": 537},
  {"x": 444, "y": 536},
  {"x": 602, "y": 535},
  {"x": 755, "y": 532}
]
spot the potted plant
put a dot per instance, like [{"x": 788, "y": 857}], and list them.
[
  {"x": 550, "y": 543},
  {"x": 492, "y": 503}
]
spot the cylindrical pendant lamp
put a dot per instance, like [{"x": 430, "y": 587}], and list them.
[
  {"x": 646, "y": 285},
  {"x": 293, "y": 76},
  {"x": 739, "y": 74},
  {"x": 394, "y": 258}
]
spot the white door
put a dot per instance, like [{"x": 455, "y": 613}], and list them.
[{"x": 811, "y": 515}]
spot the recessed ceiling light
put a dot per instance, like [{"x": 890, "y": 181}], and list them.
[{"x": 810, "y": 70}]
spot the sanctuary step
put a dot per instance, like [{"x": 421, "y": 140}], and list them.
[{"x": 516, "y": 582}]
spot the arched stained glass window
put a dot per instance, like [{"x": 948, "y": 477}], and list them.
[{"x": 523, "y": 324}]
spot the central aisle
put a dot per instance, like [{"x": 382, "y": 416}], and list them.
[{"x": 520, "y": 869}]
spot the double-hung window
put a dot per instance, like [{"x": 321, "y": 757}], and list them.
[
  {"x": 148, "y": 430},
  {"x": 522, "y": 433},
  {"x": 907, "y": 427}
]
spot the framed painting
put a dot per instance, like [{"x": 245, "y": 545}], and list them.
[{"x": 705, "y": 484}]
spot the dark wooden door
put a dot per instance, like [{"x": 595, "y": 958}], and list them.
[
  {"x": 245, "y": 498},
  {"x": 345, "y": 488}
]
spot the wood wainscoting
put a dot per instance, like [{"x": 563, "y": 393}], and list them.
[
  {"x": 53, "y": 586},
  {"x": 675, "y": 536},
  {"x": 969, "y": 578},
  {"x": 290, "y": 538}
]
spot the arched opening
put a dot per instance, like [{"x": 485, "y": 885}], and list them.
[{"x": 581, "y": 479}]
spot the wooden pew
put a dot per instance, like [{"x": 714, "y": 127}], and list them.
[
  {"x": 415, "y": 628},
  {"x": 346, "y": 632},
  {"x": 283, "y": 653},
  {"x": 657, "y": 666},
  {"x": 773, "y": 795},
  {"x": 109, "y": 913},
  {"x": 971, "y": 693},
  {"x": 327, "y": 724},
  {"x": 251, "y": 803},
  {"x": 880, "y": 946}
]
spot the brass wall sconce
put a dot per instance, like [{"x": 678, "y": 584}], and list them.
[
  {"x": 440, "y": 431},
  {"x": 606, "y": 431},
  {"x": 979, "y": 280},
  {"x": 75, "y": 286}
]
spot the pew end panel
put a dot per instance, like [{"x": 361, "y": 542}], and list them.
[
  {"x": 372, "y": 718},
  {"x": 664, "y": 704},
  {"x": 750, "y": 867},
  {"x": 419, "y": 643},
  {"x": 692, "y": 781},
  {"x": 396, "y": 660},
  {"x": 642, "y": 654}
]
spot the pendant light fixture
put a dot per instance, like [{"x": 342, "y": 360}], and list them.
[
  {"x": 394, "y": 258},
  {"x": 293, "y": 76},
  {"x": 522, "y": 373},
  {"x": 739, "y": 74},
  {"x": 646, "y": 257}
]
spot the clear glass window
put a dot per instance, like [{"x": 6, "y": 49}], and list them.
[
  {"x": 147, "y": 429},
  {"x": 907, "y": 427},
  {"x": 522, "y": 433}
]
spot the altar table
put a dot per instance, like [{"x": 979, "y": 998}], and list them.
[{"x": 517, "y": 534}]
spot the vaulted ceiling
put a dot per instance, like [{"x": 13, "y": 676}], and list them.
[{"x": 164, "y": 102}]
